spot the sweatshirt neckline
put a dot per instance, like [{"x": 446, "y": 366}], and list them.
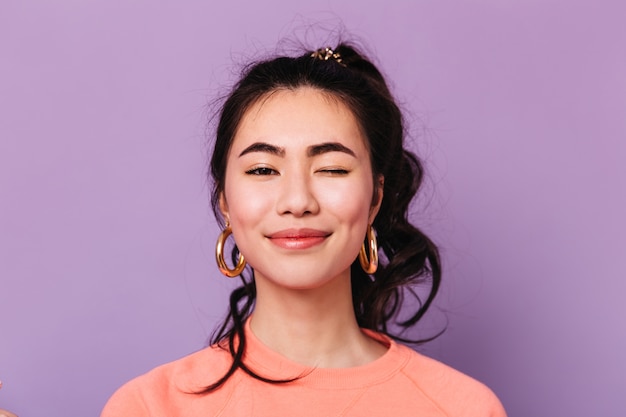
[{"x": 270, "y": 364}]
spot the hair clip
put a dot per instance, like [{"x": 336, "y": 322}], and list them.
[{"x": 327, "y": 54}]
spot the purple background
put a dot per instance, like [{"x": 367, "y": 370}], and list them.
[{"x": 106, "y": 237}]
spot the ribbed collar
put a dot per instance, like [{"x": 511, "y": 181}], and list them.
[{"x": 271, "y": 364}]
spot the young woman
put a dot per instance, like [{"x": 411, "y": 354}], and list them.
[{"x": 311, "y": 180}]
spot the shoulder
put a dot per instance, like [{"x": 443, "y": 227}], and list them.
[
  {"x": 165, "y": 386},
  {"x": 455, "y": 393}
]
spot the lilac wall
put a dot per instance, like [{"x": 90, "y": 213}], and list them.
[{"x": 106, "y": 241}]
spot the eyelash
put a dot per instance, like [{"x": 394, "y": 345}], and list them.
[
  {"x": 335, "y": 171},
  {"x": 261, "y": 171}
]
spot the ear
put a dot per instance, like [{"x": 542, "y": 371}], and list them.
[
  {"x": 224, "y": 207},
  {"x": 377, "y": 199}
]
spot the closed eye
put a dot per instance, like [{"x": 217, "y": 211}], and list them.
[
  {"x": 262, "y": 171},
  {"x": 334, "y": 171}
]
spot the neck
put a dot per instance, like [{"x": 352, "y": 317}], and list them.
[{"x": 314, "y": 327}]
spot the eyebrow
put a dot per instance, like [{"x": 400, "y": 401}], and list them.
[
  {"x": 263, "y": 147},
  {"x": 312, "y": 151},
  {"x": 329, "y": 147}
]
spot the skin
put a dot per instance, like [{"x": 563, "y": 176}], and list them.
[
  {"x": 5, "y": 413},
  {"x": 299, "y": 195}
]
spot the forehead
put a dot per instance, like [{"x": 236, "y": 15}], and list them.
[{"x": 300, "y": 117}]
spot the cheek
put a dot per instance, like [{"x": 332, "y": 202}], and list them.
[
  {"x": 243, "y": 215},
  {"x": 350, "y": 200},
  {"x": 246, "y": 204}
]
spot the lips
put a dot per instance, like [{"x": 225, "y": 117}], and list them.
[{"x": 298, "y": 238}]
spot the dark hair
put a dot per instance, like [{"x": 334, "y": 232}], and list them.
[{"x": 408, "y": 258}]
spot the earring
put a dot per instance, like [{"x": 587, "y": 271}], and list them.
[
  {"x": 369, "y": 266},
  {"x": 219, "y": 255}
]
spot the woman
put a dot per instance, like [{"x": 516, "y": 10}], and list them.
[{"x": 308, "y": 164}]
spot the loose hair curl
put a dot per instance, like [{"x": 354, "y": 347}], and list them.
[{"x": 409, "y": 258}]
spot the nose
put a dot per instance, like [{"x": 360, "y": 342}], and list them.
[{"x": 296, "y": 196}]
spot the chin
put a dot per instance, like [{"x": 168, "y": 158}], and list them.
[{"x": 301, "y": 279}]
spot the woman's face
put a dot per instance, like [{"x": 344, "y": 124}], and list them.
[{"x": 298, "y": 190}]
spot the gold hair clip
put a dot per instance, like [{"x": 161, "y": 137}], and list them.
[{"x": 326, "y": 54}]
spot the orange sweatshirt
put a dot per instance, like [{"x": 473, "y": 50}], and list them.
[{"x": 400, "y": 383}]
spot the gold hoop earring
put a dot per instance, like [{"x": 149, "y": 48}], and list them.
[
  {"x": 219, "y": 255},
  {"x": 372, "y": 265}
]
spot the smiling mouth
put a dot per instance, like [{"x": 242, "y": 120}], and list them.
[{"x": 298, "y": 238}]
